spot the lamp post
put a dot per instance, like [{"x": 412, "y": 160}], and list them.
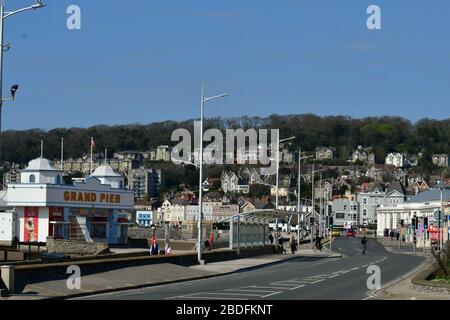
[
  {"x": 299, "y": 188},
  {"x": 441, "y": 187},
  {"x": 313, "y": 196},
  {"x": 278, "y": 164},
  {"x": 203, "y": 100},
  {"x": 3, "y": 15}
]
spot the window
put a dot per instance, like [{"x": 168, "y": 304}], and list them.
[
  {"x": 32, "y": 178},
  {"x": 364, "y": 212},
  {"x": 364, "y": 200},
  {"x": 58, "y": 179}
]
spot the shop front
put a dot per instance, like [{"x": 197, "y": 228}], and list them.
[{"x": 85, "y": 211}]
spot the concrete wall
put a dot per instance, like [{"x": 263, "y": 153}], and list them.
[{"x": 72, "y": 247}]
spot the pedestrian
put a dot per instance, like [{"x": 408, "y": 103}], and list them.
[
  {"x": 168, "y": 249},
  {"x": 391, "y": 234},
  {"x": 155, "y": 248},
  {"x": 364, "y": 244},
  {"x": 271, "y": 238},
  {"x": 211, "y": 240},
  {"x": 207, "y": 245},
  {"x": 397, "y": 235},
  {"x": 293, "y": 245},
  {"x": 280, "y": 244}
]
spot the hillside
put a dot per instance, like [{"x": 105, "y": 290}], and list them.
[{"x": 384, "y": 134}]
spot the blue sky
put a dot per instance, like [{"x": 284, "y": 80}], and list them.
[{"x": 141, "y": 61}]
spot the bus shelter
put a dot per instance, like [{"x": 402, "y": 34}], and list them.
[{"x": 251, "y": 229}]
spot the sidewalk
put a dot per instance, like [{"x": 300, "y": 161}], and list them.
[{"x": 150, "y": 275}]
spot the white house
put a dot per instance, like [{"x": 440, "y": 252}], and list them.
[{"x": 395, "y": 159}]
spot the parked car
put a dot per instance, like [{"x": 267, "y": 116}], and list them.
[{"x": 351, "y": 233}]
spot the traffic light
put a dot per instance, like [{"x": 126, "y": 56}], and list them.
[
  {"x": 330, "y": 222},
  {"x": 425, "y": 223},
  {"x": 413, "y": 223}
]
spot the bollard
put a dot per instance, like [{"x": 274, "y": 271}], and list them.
[{"x": 7, "y": 276}]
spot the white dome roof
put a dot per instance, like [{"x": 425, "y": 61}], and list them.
[
  {"x": 105, "y": 171},
  {"x": 40, "y": 164}
]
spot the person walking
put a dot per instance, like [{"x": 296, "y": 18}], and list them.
[
  {"x": 281, "y": 244},
  {"x": 293, "y": 245},
  {"x": 318, "y": 242},
  {"x": 364, "y": 244},
  {"x": 168, "y": 249},
  {"x": 271, "y": 238},
  {"x": 155, "y": 248},
  {"x": 211, "y": 240}
]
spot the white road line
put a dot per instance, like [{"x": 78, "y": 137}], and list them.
[
  {"x": 355, "y": 268},
  {"x": 336, "y": 275},
  {"x": 301, "y": 286},
  {"x": 283, "y": 283},
  {"x": 251, "y": 290},
  {"x": 199, "y": 297},
  {"x": 319, "y": 276},
  {"x": 234, "y": 294},
  {"x": 275, "y": 288},
  {"x": 271, "y": 294},
  {"x": 313, "y": 281},
  {"x": 211, "y": 298}
]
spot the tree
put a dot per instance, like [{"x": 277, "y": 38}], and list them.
[{"x": 259, "y": 190}]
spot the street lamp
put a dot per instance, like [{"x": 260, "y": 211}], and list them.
[
  {"x": 299, "y": 182},
  {"x": 203, "y": 100},
  {"x": 3, "y": 15},
  {"x": 440, "y": 185},
  {"x": 278, "y": 163}
]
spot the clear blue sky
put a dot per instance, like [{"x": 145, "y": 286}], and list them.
[{"x": 141, "y": 61}]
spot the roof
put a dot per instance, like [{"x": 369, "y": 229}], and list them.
[
  {"x": 262, "y": 215},
  {"x": 396, "y": 186},
  {"x": 105, "y": 171},
  {"x": 40, "y": 164},
  {"x": 431, "y": 195}
]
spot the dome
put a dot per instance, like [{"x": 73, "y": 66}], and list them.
[
  {"x": 40, "y": 164},
  {"x": 105, "y": 171}
]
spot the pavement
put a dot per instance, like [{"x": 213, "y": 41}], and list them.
[
  {"x": 298, "y": 277},
  {"x": 152, "y": 275}
]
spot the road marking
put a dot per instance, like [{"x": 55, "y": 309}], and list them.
[
  {"x": 235, "y": 294},
  {"x": 263, "y": 287},
  {"x": 355, "y": 268},
  {"x": 301, "y": 286},
  {"x": 315, "y": 280},
  {"x": 319, "y": 276},
  {"x": 251, "y": 290},
  {"x": 198, "y": 297},
  {"x": 285, "y": 281},
  {"x": 210, "y": 298},
  {"x": 271, "y": 294}
]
